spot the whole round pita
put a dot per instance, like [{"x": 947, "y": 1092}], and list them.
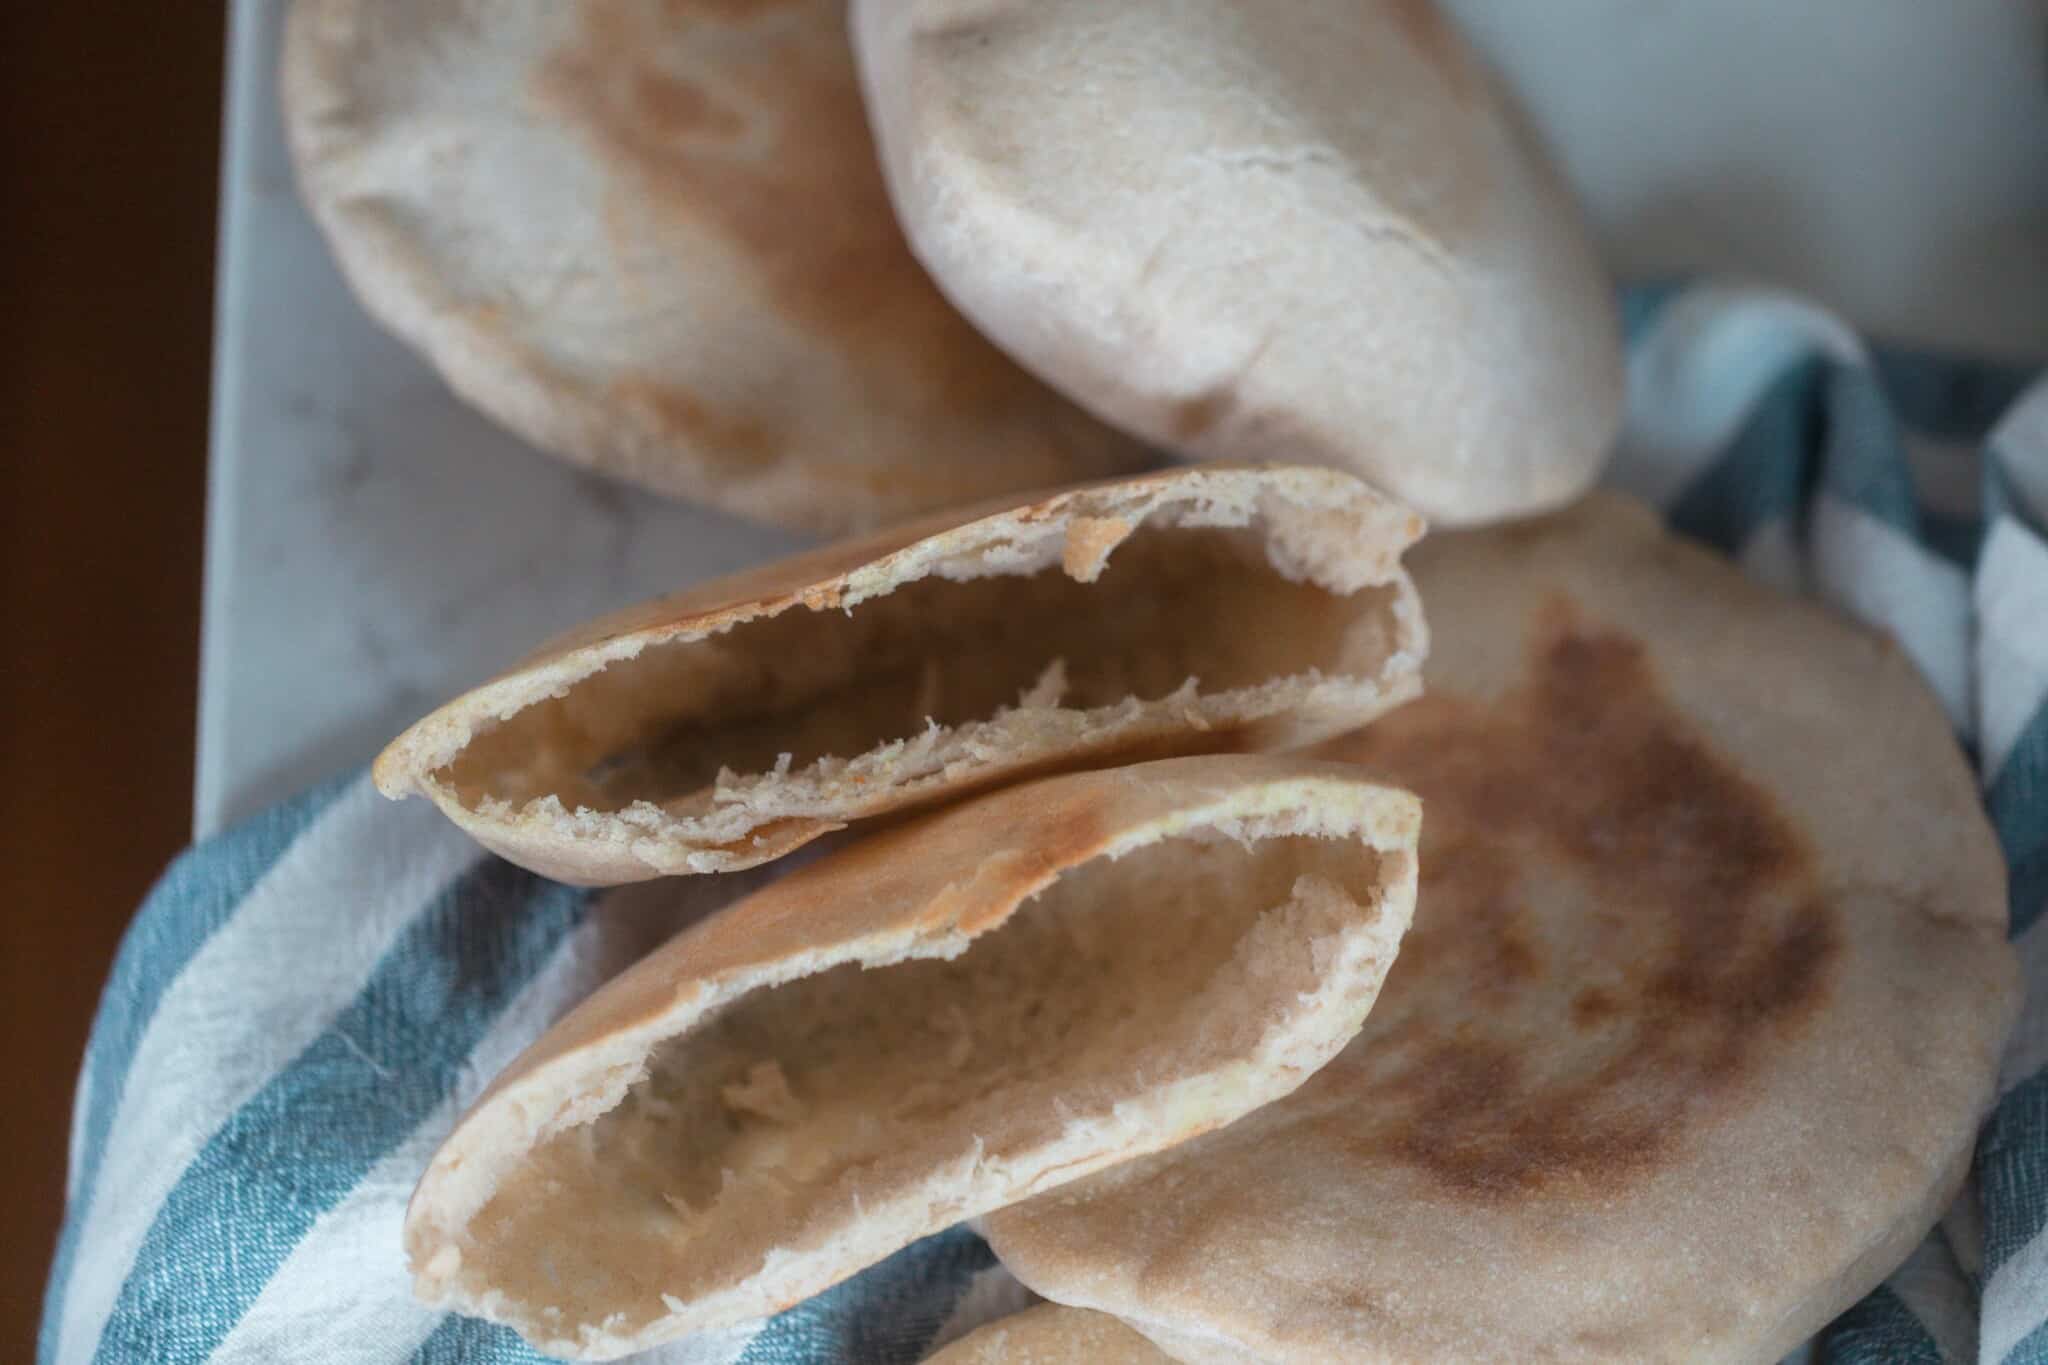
[
  {"x": 958, "y": 1012},
  {"x": 1691, "y": 1038},
  {"x": 1052, "y": 1334},
  {"x": 1194, "y": 610},
  {"x": 1305, "y": 231},
  {"x": 650, "y": 236}
]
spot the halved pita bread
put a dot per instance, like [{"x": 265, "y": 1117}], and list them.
[
  {"x": 652, "y": 237},
  {"x": 1193, "y": 610},
  {"x": 1691, "y": 1039},
  {"x": 891, "y": 1039},
  {"x": 1052, "y": 1334},
  {"x": 1309, "y": 231}
]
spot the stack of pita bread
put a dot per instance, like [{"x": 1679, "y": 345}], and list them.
[
  {"x": 1632, "y": 994},
  {"x": 654, "y": 236},
  {"x": 1145, "y": 927}
]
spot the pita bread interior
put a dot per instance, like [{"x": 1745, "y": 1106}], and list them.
[
  {"x": 1193, "y": 610},
  {"x": 1052, "y": 1334},
  {"x": 1690, "y": 1041},
  {"x": 955, "y": 1013},
  {"x": 652, "y": 237},
  {"x": 1311, "y": 231}
]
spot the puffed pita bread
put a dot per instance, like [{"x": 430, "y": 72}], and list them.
[
  {"x": 1052, "y": 1334},
  {"x": 955, "y": 1013},
  {"x": 651, "y": 236},
  {"x": 1193, "y": 610},
  {"x": 1305, "y": 231},
  {"x": 1690, "y": 1041}
]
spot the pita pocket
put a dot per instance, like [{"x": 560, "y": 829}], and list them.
[
  {"x": 1052, "y": 1334},
  {"x": 929, "y": 1023},
  {"x": 1690, "y": 1042},
  {"x": 1307, "y": 231},
  {"x": 1194, "y": 610},
  {"x": 652, "y": 237}
]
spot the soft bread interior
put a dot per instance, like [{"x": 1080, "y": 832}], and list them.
[
  {"x": 789, "y": 699},
  {"x": 817, "y": 1111}
]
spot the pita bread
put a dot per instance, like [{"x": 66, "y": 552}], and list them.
[
  {"x": 890, "y": 1039},
  {"x": 1690, "y": 1042},
  {"x": 1195, "y": 610},
  {"x": 1052, "y": 1335},
  {"x": 1310, "y": 231},
  {"x": 650, "y": 236}
]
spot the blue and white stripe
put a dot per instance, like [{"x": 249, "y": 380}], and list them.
[
  {"x": 304, "y": 1005},
  {"x": 1877, "y": 481}
]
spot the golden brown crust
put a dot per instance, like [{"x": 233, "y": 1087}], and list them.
[
  {"x": 1710, "y": 941},
  {"x": 553, "y": 1208},
  {"x": 1338, "y": 621},
  {"x": 651, "y": 237}
]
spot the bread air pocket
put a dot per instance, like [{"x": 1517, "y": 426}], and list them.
[
  {"x": 1207, "y": 609},
  {"x": 934, "y": 1022}
]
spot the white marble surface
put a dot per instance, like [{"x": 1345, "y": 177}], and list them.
[{"x": 373, "y": 546}]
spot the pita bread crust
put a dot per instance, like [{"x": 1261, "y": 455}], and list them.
[
  {"x": 1319, "y": 527},
  {"x": 651, "y": 238},
  {"x": 1314, "y": 231},
  {"x": 1052, "y": 1334},
  {"x": 1743, "y": 1183},
  {"x": 527, "y": 1216}
]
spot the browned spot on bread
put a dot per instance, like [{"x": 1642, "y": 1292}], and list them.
[
  {"x": 743, "y": 121},
  {"x": 1636, "y": 922},
  {"x": 1593, "y": 1006},
  {"x": 1070, "y": 841},
  {"x": 1199, "y": 415},
  {"x": 1434, "y": 39},
  {"x": 681, "y": 109},
  {"x": 727, "y": 439}
]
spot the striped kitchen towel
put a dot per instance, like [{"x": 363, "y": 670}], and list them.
[{"x": 304, "y": 1004}]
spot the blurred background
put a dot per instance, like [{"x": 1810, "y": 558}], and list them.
[{"x": 112, "y": 131}]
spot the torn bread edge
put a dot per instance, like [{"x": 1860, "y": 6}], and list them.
[
  {"x": 1319, "y": 526},
  {"x": 944, "y": 880}
]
